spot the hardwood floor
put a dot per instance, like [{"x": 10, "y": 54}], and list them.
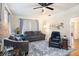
[{"x": 75, "y": 45}]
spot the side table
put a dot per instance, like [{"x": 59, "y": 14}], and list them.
[{"x": 64, "y": 44}]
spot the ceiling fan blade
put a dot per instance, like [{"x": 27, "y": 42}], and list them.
[
  {"x": 37, "y": 7},
  {"x": 49, "y": 4},
  {"x": 42, "y": 4},
  {"x": 45, "y": 4},
  {"x": 50, "y": 8}
]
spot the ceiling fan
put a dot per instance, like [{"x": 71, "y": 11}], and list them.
[{"x": 44, "y": 5}]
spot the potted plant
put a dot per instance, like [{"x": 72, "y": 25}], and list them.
[{"x": 17, "y": 30}]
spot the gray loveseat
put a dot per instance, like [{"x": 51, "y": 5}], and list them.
[{"x": 34, "y": 35}]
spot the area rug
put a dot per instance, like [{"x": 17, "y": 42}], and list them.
[{"x": 41, "y": 48}]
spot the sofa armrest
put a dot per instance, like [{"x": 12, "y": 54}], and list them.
[{"x": 8, "y": 42}]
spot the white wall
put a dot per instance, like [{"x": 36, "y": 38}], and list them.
[
  {"x": 64, "y": 17},
  {"x": 45, "y": 21}
]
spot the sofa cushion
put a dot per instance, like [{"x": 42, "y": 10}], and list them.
[
  {"x": 18, "y": 38},
  {"x": 12, "y": 37},
  {"x": 32, "y": 33},
  {"x": 28, "y": 33},
  {"x": 37, "y": 33}
]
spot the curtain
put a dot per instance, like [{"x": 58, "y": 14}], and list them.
[
  {"x": 29, "y": 25},
  {"x": 21, "y": 25}
]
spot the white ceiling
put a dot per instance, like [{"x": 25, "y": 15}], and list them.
[{"x": 26, "y": 9}]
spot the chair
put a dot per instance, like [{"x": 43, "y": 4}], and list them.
[{"x": 55, "y": 39}]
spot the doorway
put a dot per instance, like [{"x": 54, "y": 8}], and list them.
[{"x": 74, "y": 28}]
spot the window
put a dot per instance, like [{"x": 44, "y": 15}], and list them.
[
  {"x": 30, "y": 25},
  {"x": 6, "y": 16},
  {"x": 7, "y": 19}
]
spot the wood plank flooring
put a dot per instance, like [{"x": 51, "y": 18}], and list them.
[{"x": 75, "y": 45}]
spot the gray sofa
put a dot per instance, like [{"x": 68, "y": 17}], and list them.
[
  {"x": 34, "y": 35},
  {"x": 22, "y": 45},
  {"x": 23, "y": 41}
]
